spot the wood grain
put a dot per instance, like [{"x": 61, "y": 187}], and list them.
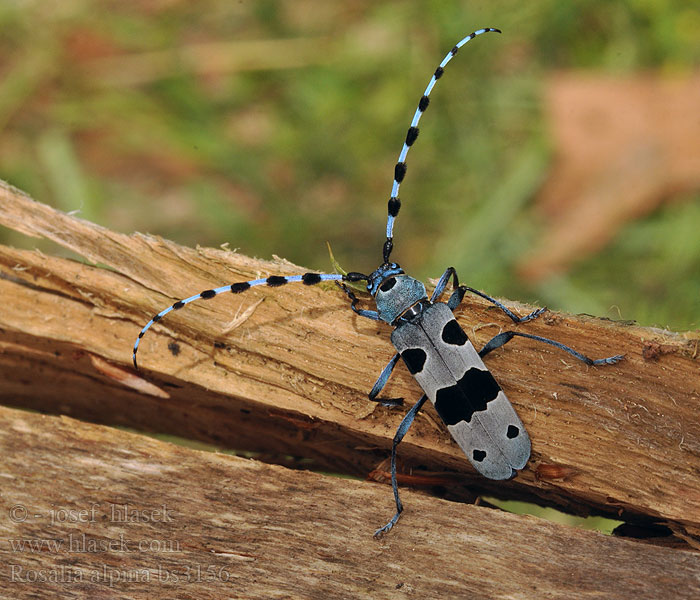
[
  {"x": 90, "y": 511},
  {"x": 292, "y": 379}
]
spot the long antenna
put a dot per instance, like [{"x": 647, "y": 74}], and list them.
[
  {"x": 400, "y": 168},
  {"x": 244, "y": 286}
]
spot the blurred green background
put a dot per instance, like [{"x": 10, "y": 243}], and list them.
[{"x": 274, "y": 126}]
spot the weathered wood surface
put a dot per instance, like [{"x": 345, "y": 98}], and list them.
[
  {"x": 93, "y": 512},
  {"x": 293, "y": 377}
]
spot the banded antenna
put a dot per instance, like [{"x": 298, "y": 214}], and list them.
[
  {"x": 243, "y": 286},
  {"x": 315, "y": 278},
  {"x": 412, "y": 135}
]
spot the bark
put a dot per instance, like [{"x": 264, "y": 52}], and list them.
[
  {"x": 93, "y": 512},
  {"x": 289, "y": 376}
]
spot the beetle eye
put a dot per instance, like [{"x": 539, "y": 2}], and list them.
[{"x": 388, "y": 284}]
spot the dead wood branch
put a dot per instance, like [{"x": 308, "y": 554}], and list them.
[
  {"x": 293, "y": 377},
  {"x": 91, "y": 511}
]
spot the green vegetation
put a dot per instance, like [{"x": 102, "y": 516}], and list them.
[{"x": 274, "y": 126}]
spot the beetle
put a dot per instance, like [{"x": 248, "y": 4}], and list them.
[{"x": 431, "y": 343}]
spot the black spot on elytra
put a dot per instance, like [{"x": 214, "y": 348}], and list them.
[
  {"x": 453, "y": 334},
  {"x": 470, "y": 394},
  {"x": 415, "y": 359},
  {"x": 478, "y": 455},
  {"x": 512, "y": 432}
]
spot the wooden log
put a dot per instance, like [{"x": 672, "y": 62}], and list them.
[
  {"x": 293, "y": 377},
  {"x": 93, "y": 512}
]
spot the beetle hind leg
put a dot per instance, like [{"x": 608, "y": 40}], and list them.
[{"x": 400, "y": 433}]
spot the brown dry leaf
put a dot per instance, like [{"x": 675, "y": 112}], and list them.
[{"x": 624, "y": 146}]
